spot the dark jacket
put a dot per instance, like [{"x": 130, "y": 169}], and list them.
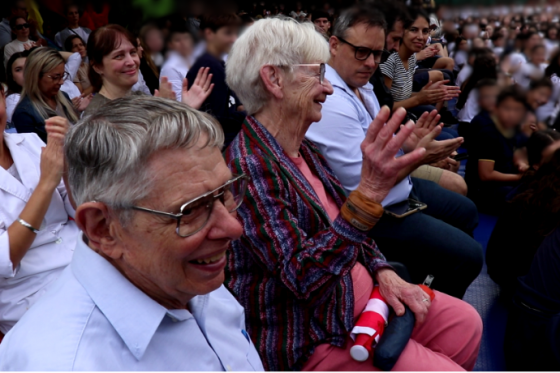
[
  {"x": 222, "y": 103},
  {"x": 27, "y": 120}
]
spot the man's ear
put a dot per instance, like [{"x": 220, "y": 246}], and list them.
[
  {"x": 98, "y": 224},
  {"x": 333, "y": 45},
  {"x": 273, "y": 80}
]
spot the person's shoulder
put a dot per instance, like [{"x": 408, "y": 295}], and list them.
[{"x": 49, "y": 334}]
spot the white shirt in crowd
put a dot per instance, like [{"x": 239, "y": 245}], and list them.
[
  {"x": 463, "y": 75},
  {"x": 11, "y": 103},
  {"x": 175, "y": 69},
  {"x": 52, "y": 249},
  {"x": 548, "y": 110},
  {"x": 71, "y": 67},
  {"x": 550, "y": 46},
  {"x": 529, "y": 72},
  {"x": 61, "y": 36},
  {"x": 517, "y": 61},
  {"x": 471, "y": 108},
  {"x": 13, "y": 47},
  {"x": 94, "y": 319},
  {"x": 339, "y": 134}
]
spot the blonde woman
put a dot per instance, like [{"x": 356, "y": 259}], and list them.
[{"x": 41, "y": 97}]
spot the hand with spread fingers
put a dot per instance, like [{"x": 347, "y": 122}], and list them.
[
  {"x": 200, "y": 90},
  {"x": 381, "y": 167},
  {"x": 165, "y": 89}
]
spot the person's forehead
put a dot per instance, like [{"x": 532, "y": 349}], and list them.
[
  {"x": 361, "y": 35},
  {"x": 322, "y": 19},
  {"x": 420, "y": 22},
  {"x": 20, "y": 21}
]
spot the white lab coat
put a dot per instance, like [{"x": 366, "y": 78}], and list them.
[{"x": 53, "y": 247}]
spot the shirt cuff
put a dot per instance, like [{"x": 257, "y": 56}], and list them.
[{"x": 6, "y": 267}]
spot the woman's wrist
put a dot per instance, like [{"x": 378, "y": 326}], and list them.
[{"x": 361, "y": 212}]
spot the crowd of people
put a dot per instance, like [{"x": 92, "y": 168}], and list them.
[{"x": 223, "y": 188}]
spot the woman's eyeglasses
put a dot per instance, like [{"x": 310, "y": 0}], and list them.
[{"x": 58, "y": 77}]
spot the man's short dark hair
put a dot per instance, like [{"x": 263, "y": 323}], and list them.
[
  {"x": 540, "y": 83},
  {"x": 483, "y": 83},
  {"x": 393, "y": 11},
  {"x": 514, "y": 93},
  {"x": 216, "y": 20},
  {"x": 356, "y": 15},
  {"x": 319, "y": 14}
]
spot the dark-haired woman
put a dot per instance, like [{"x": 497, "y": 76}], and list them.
[
  {"x": 76, "y": 44},
  {"x": 400, "y": 67},
  {"x": 484, "y": 67},
  {"x": 14, "y": 79},
  {"x": 548, "y": 112},
  {"x": 115, "y": 65}
]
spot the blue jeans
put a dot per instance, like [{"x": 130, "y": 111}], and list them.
[{"x": 436, "y": 241}]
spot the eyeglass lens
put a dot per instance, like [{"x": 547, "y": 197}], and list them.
[
  {"x": 22, "y": 26},
  {"x": 197, "y": 213},
  {"x": 364, "y": 53}
]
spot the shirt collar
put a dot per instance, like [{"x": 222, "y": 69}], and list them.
[{"x": 134, "y": 315}]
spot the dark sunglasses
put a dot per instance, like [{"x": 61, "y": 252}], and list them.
[{"x": 22, "y": 26}]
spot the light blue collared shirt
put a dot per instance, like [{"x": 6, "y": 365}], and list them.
[
  {"x": 93, "y": 318},
  {"x": 341, "y": 131}
]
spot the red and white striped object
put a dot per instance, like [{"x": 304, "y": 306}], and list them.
[{"x": 370, "y": 326}]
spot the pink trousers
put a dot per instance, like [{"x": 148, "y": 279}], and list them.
[{"x": 448, "y": 340}]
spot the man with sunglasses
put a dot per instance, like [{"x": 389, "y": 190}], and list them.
[
  {"x": 20, "y": 28},
  {"x": 157, "y": 205},
  {"x": 426, "y": 244}
]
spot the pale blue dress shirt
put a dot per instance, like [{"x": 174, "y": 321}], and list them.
[
  {"x": 93, "y": 318},
  {"x": 341, "y": 131}
]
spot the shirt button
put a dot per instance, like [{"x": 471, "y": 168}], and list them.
[{"x": 59, "y": 240}]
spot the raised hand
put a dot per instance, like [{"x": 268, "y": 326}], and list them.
[
  {"x": 380, "y": 167},
  {"x": 52, "y": 156},
  {"x": 200, "y": 90},
  {"x": 425, "y": 124},
  {"x": 165, "y": 89}
]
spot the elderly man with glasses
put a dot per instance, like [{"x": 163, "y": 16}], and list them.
[
  {"x": 434, "y": 241},
  {"x": 156, "y": 204}
]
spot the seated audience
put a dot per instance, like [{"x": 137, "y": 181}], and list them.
[
  {"x": 321, "y": 20},
  {"x": 547, "y": 113},
  {"x": 534, "y": 68},
  {"x": 493, "y": 170},
  {"x": 487, "y": 91},
  {"x": 302, "y": 252},
  {"x": 180, "y": 45},
  {"x": 484, "y": 67},
  {"x": 400, "y": 67},
  {"x": 152, "y": 40},
  {"x": 220, "y": 32},
  {"x": 114, "y": 67},
  {"x": 532, "y": 332},
  {"x": 37, "y": 237},
  {"x": 149, "y": 72},
  {"x": 20, "y": 28},
  {"x": 539, "y": 93},
  {"x": 347, "y": 115},
  {"x": 14, "y": 80},
  {"x": 73, "y": 17},
  {"x": 517, "y": 235},
  {"x": 157, "y": 219},
  {"x": 530, "y": 124},
  {"x": 75, "y": 44},
  {"x": 42, "y": 97}
]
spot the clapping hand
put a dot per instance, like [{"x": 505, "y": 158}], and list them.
[
  {"x": 165, "y": 89},
  {"x": 200, "y": 90},
  {"x": 52, "y": 156},
  {"x": 381, "y": 167}
]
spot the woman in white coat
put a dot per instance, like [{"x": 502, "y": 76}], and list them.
[{"x": 37, "y": 236}]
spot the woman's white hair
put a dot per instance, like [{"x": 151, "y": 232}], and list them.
[
  {"x": 271, "y": 41},
  {"x": 107, "y": 152}
]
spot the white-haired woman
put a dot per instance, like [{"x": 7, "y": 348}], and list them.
[
  {"x": 41, "y": 97},
  {"x": 37, "y": 238},
  {"x": 304, "y": 268}
]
